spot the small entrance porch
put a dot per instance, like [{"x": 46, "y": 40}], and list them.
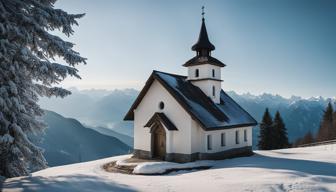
[{"x": 160, "y": 127}]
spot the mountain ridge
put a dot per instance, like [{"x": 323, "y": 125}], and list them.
[{"x": 67, "y": 141}]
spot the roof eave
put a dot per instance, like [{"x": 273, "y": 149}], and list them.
[
  {"x": 203, "y": 79},
  {"x": 162, "y": 119},
  {"x": 198, "y": 47},
  {"x": 193, "y": 62},
  {"x": 231, "y": 126}
]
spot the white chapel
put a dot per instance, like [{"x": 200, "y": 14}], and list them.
[{"x": 187, "y": 118}]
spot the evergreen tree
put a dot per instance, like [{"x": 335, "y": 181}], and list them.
[
  {"x": 27, "y": 71},
  {"x": 279, "y": 136},
  {"x": 325, "y": 131},
  {"x": 265, "y": 141}
]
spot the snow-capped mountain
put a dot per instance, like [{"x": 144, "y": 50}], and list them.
[
  {"x": 107, "y": 109},
  {"x": 300, "y": 115}
]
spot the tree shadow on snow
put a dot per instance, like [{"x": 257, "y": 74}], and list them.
[
  {"x": 300, "y": 167},
  {"x": 72, "y": 183}
]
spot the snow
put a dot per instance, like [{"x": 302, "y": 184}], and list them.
[
  {"x": 297, "y": 169},
  {"x": 162, "y": 167},
  {"x": 6, "y": 138},
  {"x": 122, "y": 162}
]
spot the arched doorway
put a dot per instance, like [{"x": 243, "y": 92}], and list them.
[{"x": 159, "y": 142}]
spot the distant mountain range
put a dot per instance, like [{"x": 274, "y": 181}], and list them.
[
  {"x": 95, "y": 108},
  {"x": 300, "y": 115},
  {"x": 67, "y": 141},
  {"x": 107, "y": 108}
]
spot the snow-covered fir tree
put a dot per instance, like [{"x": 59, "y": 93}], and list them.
[{"x": 28, "y": 70}]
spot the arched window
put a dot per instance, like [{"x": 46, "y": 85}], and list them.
[
  {"x": 213, "y": 91},
  {"x": 197, "y": 73},
  {"x": 213, "y": 73}
]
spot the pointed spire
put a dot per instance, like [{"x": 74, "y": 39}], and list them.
[{"x": 203, "y": 44}]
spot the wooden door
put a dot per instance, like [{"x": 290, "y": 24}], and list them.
[{"x": 159, "y": 143}]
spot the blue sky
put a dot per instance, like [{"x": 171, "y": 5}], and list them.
[{"x": 285, "y": 47}]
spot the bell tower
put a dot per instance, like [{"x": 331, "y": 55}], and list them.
[{"x": 204, "y": 71}]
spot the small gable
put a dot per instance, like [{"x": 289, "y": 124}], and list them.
[{"x": 161, "y": 118}]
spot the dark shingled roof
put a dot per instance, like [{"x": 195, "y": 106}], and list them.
[
  {"x": 200, "y": 60},
  {"x": 211, "y": 116},
  {"x": 162, "y": 118},
  {"x": 203, "y": 40}
]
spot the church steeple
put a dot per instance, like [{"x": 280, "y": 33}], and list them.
[
  {"x": 203, "y": 47},
  {"x": 204, "y": 71}
]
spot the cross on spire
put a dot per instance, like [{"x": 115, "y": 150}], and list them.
[{"x": 203, "y": 12}]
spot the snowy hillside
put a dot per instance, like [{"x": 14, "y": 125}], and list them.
[{"x": 298, "y": 169}]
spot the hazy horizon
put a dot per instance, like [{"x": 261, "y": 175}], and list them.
[{"x": 278, "y": 47}]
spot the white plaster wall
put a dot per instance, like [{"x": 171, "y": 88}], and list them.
[
  {"x": 176, "y": 141},
  {"x": 205, "y": 71},
  {"x": 206, "y": 87},
  {"x": 196, "y": 135},
  {"x": 200, "y": 144}
]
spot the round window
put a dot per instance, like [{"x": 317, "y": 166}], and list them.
[{"x": 161, "y": 105}]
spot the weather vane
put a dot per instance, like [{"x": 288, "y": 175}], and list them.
[{"x": 203, "y": 12}]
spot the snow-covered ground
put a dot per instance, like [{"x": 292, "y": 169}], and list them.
[
  {"x": 163, "y": 167},
  {"x": 298, "y": 169}
]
